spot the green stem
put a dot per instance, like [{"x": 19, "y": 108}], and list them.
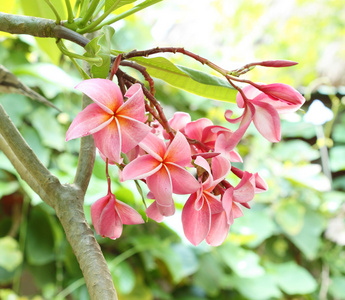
[
  {"x": 58, "y": 18},
  {"x": 76, "y": 7},
  {"x": 91, "y": 27},
  {"x": 88, "y": 13},
  {"x": 69, "y": 11},
  {"x": 99, "y": 7},
  {"x": 64, "y": 50}
]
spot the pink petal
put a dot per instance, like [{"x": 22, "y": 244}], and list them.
[
  {"x": 88, "y": 121},
  {"x": 219, "y": 229},
  {"x": 267, "y": 122},
  {"x": 160, "y": 185},
  {"x": 196, "y": 223},
  {"x": 283, "y": 92},
  {"x": 132, "y": 132},
  {"x": 153, "y": 213},
  {"x": 104, "y": 92},
  {"x": 166, "y": 210},
  {"x": 236, "y": 211},
  {"x": 141, "y": 167},
  {"x": 202, "y": 162},
  {"x": 134, "y": 107},
  {"x": 245, "y": 190},
  {"x": 214, "y": 203},
  {"x": 108, "y": 141},
  {"x": 128, "y": 214},
  {"x": 178, "y": 151},
  {"x": 260, "y": 184},
  {"x": 227, "y": 201},
  {"x": 220, "y": 169},
  {"x": 237, "y": 135},
  {"x": 154, "y": 146},
  {"x": 179, "y": 121},
  {"x": 96, "y": 211},
  {"x": 194, "y": 129},
  {"x": 182, "y": 181},
  {"x": 110, "y": 224}
]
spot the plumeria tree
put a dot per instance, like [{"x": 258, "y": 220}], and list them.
[{"x": 122, "y": 119}]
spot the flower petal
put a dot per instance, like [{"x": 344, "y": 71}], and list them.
[
  {"x": 153, "y": 212},
  {"x": 219, "y": 229},
  {"x": 194, "y": 129},
  {"x": 104, "y": 92},
  {"x": 132, "y": 132},
  {"x": 88, "y": 121},
  {"x": 96, "y": 211},
  {"x": 267, "y": 121},
  {"x": 160, "y": 185},
  {"x": 245, "y": 190},
  {"x": 108, "y": 141},
  {"x": 154, "y": 146},
  {"x": 220, "y": 168},
  {"x": 182, "y": 181},
  {"x": 110, "y": 223},
  {"x": 246, "y": 118},
  {"x": 134, "y": 107},
  {"x": 178, "y": 151},
  {"x": 128, "y": 214},
  {"x": 141, "y": 167},
  {"x": 196, "y": 223}
]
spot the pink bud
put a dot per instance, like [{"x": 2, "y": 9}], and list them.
[
  {"x": 281, "y": 91},
  {"x": 280, "y": 63}
]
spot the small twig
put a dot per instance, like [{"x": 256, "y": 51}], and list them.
[{"x": 143, "y": 71}]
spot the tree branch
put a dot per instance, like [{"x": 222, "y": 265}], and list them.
[
  {"x": 25, "y": 159},
  {"x": 39, "y": 27},
  {"x": 86, "y": 156},
  {"x": 69, "y": 210}
]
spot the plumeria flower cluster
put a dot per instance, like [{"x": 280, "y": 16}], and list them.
[{"x": 193, "y": 158}]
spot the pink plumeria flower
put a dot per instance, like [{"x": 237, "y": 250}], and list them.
[
  {"x": 163, "y": 167},
  {"x": 109, "y": 214},
  {"x": 115, "y": 125},
  {"x": 197, "y": 213},
  {"x": 221, "y": 221},
  {"x": 262, "y": 105},
  {"x": 212, "y": 136},
  {"x": 178, "y": 122}
]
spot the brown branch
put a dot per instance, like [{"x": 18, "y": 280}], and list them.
[
  {"x": 39, "y": 27},
  {"x": 143, "y": 71}
]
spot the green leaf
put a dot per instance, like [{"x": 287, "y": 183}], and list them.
[
  {"x": 39, "y": 8},
  {"x": 308, "y": 240},
  {"x": 34, "y": 141},
  {"x": 244, "y": 263},
  {"x": 257, "y": 288},
  {"x": 40, "y": 238},
  {"x": 8, "y": 187},
  {"x": 100, "y": 47},
  {"x": 337, "y": 287},
  {"x": 253, "y": 228},
  {"x": 187, "y": 79},
  {"x": 295, "y": 151},
  {"x": 290, "y": 216},
  {"x": 337, "y": 158},
  {"x": 48, "y": 128},
  {"x": 124, "y": 277},
  {"x": 293, "y": 279},
  {"x": 16, "y": 106},
  {"x": 109, "y": 3},
  {"x": 10, "y": 255},
  {"x": 209, "y": 275}
]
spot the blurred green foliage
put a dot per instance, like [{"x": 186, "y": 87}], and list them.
[{"x": 288, "y": 246}]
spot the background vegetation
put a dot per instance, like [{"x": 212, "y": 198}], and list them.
[{"x": 289, "y": 245}]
